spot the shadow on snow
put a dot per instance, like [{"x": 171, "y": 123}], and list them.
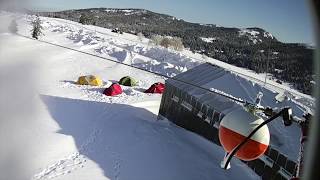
[{"x": 128, "y": 142}]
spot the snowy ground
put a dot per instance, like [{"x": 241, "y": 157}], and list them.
[
  {"x": 78, "y": 133},
  {"x": 75, "y": 132}
]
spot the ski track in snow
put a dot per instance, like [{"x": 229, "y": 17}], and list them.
[
  {"x": 70, "y": 163},
  {"x": 116, "y": 161},
  {"x": 78, "y": 159}
]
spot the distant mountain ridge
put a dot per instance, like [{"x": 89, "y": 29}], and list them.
[{"x": 252, "y": 48}]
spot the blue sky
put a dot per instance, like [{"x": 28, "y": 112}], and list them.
[{"x": 288, "y": 20}]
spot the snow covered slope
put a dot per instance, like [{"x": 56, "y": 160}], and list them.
[
  {"x": 78, "y": 133},
  {"x": 174, "y": 62}
]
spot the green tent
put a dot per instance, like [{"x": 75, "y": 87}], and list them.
[{"x": 128, "y": 81}]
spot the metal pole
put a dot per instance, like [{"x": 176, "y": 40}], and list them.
[{"x": 267, "y": 69}]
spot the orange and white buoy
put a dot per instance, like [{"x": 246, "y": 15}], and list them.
[{"x": 236, "y": 126}]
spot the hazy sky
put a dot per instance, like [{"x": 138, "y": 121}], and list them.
[{"x": 288, "y": 20}]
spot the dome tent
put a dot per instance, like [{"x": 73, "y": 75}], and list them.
[
  {"x": 90, "y": 80},
  {"x": 156, "y": 88},
  {"x": 128, "y": 81},
  {"x": 113, "y": 90}
]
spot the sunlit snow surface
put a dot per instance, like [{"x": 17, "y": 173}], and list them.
[{"x": 78, "y": 133}]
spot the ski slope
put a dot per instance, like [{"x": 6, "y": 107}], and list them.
[{"x": 69, "y": 131}]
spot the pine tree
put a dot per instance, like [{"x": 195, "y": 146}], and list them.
[
  {"x": 36, "y": 30},
  {"x": 13, "y": 27},
  {"x": 83, "y": 19}
]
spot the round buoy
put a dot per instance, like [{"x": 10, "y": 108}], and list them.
[{"x": 236, "y": 126}]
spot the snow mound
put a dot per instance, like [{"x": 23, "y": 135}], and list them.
[{"x": 155, "y": 59}]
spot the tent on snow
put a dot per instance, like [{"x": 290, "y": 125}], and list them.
[
  {"x": 156, "y": 88},
  {"x": 128, "y": 81},
  {"x": 90, "y": 80},
  {"x": 113, "y": 90}
]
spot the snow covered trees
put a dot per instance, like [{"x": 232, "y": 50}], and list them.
[
  {"x": 13, "y": 27},
  {"x": 177, "y": 44},
  {"x": 168, "y": 42},
  {"x": 156, "y": 40},
  {"x": 36, "y": 28},
  {"x": 165, "y": 42},
  {"x": 140, "y": 36}
]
